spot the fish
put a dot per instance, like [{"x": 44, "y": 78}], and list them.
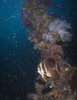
[{"x": 47, "y": 68}]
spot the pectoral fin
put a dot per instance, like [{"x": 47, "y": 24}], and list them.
[{"x": 44, "y": 78}]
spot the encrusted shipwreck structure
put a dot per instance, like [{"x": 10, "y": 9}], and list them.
[{"x": 57, "y": 79}]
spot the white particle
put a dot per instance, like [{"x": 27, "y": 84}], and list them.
[{"x": 14, "y": 36}]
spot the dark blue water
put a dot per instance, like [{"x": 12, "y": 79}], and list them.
[{"x": 18, "y": 59}]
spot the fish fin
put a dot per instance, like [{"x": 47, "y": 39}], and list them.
[{"x": 44, "y": 78}]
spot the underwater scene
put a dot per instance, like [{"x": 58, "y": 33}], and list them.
[{"x": 38, "y": 49}]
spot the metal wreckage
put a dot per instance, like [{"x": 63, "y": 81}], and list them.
[{"x": 47, "y": 32}]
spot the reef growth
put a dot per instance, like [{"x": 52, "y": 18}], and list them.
[{"x": 58, "y": 77}]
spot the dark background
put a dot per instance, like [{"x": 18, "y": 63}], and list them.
[{"x": 18, "y": 59}]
